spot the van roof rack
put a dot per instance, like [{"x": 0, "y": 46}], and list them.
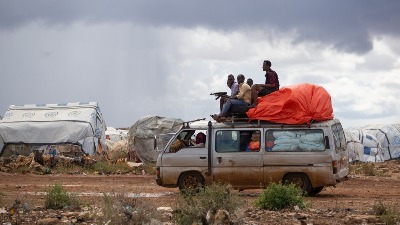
[
  {"x": 233, "y": 119},
  {"x": 186, "y": 123}
]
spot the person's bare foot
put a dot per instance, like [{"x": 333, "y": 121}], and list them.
[{"x": 216, "y": 118}]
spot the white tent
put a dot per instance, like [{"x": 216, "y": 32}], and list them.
[
  {"x": 389, "y": 138},
  {"x": 115, "y": 135},
  {"x": 379, "y": 142},
  {"x": 371, "y": 148},
  {"x": 48, "y": 124},
  {"x": 354, "y": 146}
]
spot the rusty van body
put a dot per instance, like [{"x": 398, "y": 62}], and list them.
[{"x": 311, "y": 156}]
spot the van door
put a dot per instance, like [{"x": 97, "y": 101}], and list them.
[
  {"x": 298, "y": 154},
  {"x": 234, "y": 162},
  {"x": 342, "y": 154}
]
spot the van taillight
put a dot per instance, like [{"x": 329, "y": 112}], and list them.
[{"x": 335, "y": 167}]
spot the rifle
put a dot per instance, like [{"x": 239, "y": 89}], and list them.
[{"x": 219, "y": 94}]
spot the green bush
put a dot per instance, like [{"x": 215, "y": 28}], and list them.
[
  {"x": 107, "y": 168},
  {"x": 193, "y": 208},
  {"x": 388, "y": 214},
  {"x": 278, "y": 196},
  {"x": 58, "y": 198}
]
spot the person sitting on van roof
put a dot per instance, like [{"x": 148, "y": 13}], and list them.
[
  {"x": 243, "y": 98},
  {"x": 271, "y": 84},
  {"x": 231, "y": 83},
  {"x": 249, "y": 82}
]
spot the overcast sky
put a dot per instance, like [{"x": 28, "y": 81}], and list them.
[{"x": 138, "y": 58}]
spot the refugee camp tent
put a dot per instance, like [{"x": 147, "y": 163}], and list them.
[
  {"x": 356, "y": 148},
  {"x": 78, "y": 123},
  {"x": 115, "y": 135},
  {"x": 387, "y": 135},
  {"x": 365, "y": 146},
  {"x": 142, "y": 136}
]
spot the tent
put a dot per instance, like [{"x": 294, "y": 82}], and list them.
[
  {"x": 295, "y": 104},
  {"x": 115, "y": 135},
  {"x": 78, "y": 123},
  {"x": 387, "y": 135},
  {"x": 142, "y": 136},
  {"x": 354, "y": 146},
  {"x": 363, "y": 146}
]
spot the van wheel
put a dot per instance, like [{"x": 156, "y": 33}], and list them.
[
  {"x": 190, "y": 181},
  {"x": 315, "y": 191},
  {"x": 300, "y": 180}
]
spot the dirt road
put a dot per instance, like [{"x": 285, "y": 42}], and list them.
[{"x": 351, "y": 202}]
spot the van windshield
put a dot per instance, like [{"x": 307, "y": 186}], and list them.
[{"x": 162, "y": 140}]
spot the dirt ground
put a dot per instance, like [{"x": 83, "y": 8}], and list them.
[{"x": 350, "y": 202}]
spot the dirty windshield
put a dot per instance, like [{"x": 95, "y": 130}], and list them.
[{"x": 162, "y": 140}]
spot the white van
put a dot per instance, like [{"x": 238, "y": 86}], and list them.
[{"x": 251, "y": 155}]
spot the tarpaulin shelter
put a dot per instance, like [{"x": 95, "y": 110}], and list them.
[
  {"x": 354, "y": 146},
  {"x": 363, "y": 146},
  {"x": 142, "y": 135},
  {"x": 387, "y": 135},
  {"x": 295, "y": 104},
  {"x": 78, "y": 123}
]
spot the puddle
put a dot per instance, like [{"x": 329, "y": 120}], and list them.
[{"x": 98, "y": 194}]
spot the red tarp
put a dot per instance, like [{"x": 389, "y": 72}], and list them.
[{"x": 295, "y": 104}]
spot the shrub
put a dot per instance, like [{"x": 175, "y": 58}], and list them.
[
  {"x": 67, "y": 169},
  {"x": 278, "y": 196},
  {"x": 58, "y": 198},
  {"x": 388, "y": 214},
  {"x": 1, "y": 198},
  {"x": 193, "y": 208},
  {"x": 368, "y": 169},
  {"x": 119, "y": 209},
  {"x": 150, "y": 168},
  {"x": 106, "y": 168}
]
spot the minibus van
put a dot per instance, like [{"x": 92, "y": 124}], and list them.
[{"x": 250, "y": 155}]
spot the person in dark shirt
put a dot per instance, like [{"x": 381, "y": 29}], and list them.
[
  {"x": 249, "y": 82},
  {"x": 271, "y": 84}
]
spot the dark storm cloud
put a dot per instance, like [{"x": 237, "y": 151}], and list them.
[{"x": 345, "y": 24}]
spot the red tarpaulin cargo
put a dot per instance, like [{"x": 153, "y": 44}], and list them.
[{"x": 295, "y": 104}]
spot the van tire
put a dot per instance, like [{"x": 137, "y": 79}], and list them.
[
  {"x": 300, "y": 180},
  {"x": 315, "y": 191},
  {"x": 190, "y": 181}
]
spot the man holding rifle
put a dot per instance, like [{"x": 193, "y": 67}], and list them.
[{"x": 243, "y": 98}]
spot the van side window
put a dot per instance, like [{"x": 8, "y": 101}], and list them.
[
  {"x": 295, "y": 140},
  {"x": 338, "y": 137},
  {"x": 226, "y": 141},
  {"x": 237, "y": 140}
]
